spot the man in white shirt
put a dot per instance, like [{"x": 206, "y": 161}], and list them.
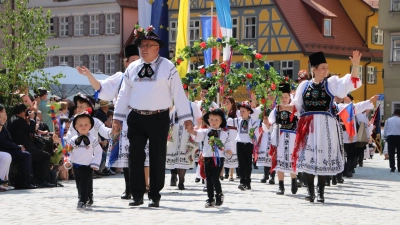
[
  {"x": 392, "y": 136},
  {"x": 149, "y": 86}
]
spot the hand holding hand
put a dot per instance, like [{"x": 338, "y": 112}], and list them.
[
  {"x": 189, "y": 126},
  {"x": 94, "y": 168},
  {"x": 116, "y": 127},
  {"x": 229, "y": 152}
]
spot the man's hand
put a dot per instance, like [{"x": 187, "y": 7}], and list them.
[
  {"x": 374, "y": 98},
  {"x": 189, "y": 126},
  {"x": 83, "y": 70}
]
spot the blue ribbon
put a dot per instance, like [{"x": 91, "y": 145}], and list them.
[
  {"x": 216, "y": 154},
  {"x": 96, "y": 94},
  {"x": 114, "y": 150}
]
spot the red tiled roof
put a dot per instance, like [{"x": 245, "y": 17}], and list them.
[
  {"x": 373, "y": 3},
  {"x": 319, "y": 8},
  {"x": 128, "y": 3},
  {"x": 345, "y": 37}
]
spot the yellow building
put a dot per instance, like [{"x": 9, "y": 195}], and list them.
[{"x": 288, "y": 31}]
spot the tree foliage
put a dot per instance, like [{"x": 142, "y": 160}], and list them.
[{"x": 24, "y": 32}]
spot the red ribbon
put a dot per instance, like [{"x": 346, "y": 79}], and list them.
[
  {"x": 304, "y": 128},
  {"x": 292, "y": 115},
  {"x": 354, "y": 81},
  {"x": 272, "y": 153}
]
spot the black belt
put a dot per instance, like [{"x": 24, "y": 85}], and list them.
[{"x": 147, "y": 112}]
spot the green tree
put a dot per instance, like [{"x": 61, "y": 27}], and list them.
[{"x": 24, "y": 32}]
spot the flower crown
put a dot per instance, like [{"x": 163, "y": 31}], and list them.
[
  {"x": 139, "y": 32},
  {"x": 302, "y": 74}
]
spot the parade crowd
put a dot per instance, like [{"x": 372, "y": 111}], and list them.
[{"x": 141, "y": 123}]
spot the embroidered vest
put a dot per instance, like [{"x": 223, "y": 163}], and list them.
[
  {"x": 317, "y": 98},
  {"x": 284, "y": 120}
]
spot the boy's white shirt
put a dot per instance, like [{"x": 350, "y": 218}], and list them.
[
  {"x": 245, "y": 137},
  {"x": 207, "y": 149},
  {"x": 86, "y": 155}
]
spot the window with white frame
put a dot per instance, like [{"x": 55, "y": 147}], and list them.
[
  {"x": 48, "y": 62},
  {"x": 371, "y": 75},
  {"x": 63, "y": 26},
  {"x": 110, "y": 24},
  {"x": 173, "y": 31},
  {"x": 396, "y": 5},
  {"x": 94, "y": 24},
  {"x": 287, "y": 68},
  {"x": 51, "y": 26},
  {"x": 234, "y": 28},
  {"x": 360, "y": 73},
  {"x": 378, "y": 36},
  {"x": 194, "y": 30},
  {"x": 192, "y": 67},
  {"x": 250, "y": 27},
  {"x": 94, "y": 63},
  {"x": 396, "y": 48},
  {"x": 327, "y": 27},
  {"x": 63, "y": 60},
  {"x": 248, "y": 65},
  {"x": 78, "y": 60},
  {"x": 110, "y": 65},
  {"x": 78, "y": 25}
]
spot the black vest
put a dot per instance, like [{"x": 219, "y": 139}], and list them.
[
  {"x": 316, "y": 98},
  {"x": 284, "y": 120}
]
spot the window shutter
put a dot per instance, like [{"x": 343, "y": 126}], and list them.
[
  {"x": 117, "y": 23},
  {"x": 56, "y": 27},
  {"x": 71, "y": 60},
  {"x": 373, "y": 32},
  {"x": 296, "y": 69},
  {"x": 102, "y": 24},
  {"x": 85, "y": 61},
  {"x": 277, "y": 65},
  {"x": 375, "y": 75},
  {"x": 55, "y": 61},
  {"x": 117, "y": 63},
  {"x": 86, "y": 25},
  {"x": 102, "y": 63},
  {"x": 70, "y": 26}
]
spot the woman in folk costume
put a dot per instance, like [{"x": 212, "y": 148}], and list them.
[
  {"x": 318, "y": 150},
  {"x": 108, "y": 90},
  {"x": 231, "y": 161},
  {"x": 282, "y": 141},
  {"x": 181, "y": 147},
  {"x": 264, "y": 159}
]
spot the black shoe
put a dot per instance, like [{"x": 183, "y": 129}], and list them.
[
  {"x": 328, "y": 182},
  {"x": 295, "y": 187},
  {"x": 154, "y": 203},
  {"x": 340, "y": 181},
  {"x": 281, "y": 190},
  {"x": 248, "y": 186},
  {"x": 174, "y": 179},
  {"x": 197, "y": 180},
  {"x": 321, "y": 194},
  {"x": 221, "y": 177},
  {"x": 202, "y": 181},
  {"x": 334, "y": 180},
  {"x": 310, "y": 194},
  {"x": 349, "y": 175},
  {"x": 45, "y": 184},
  {"x": 136, "y": 202},
  {"x": 26, "y": 186},
  {"x": 265, "y": 177},
  {"x": 81, "y": 205},
  {"x": 181, "y": 187},
  {"x": 238, "y": 177},
  {"x": 392, "y": 170},
  {"x": 242, "y": 187},
  {"x": 353, "y": 171},
  {"x": 272, "y": 178},
  {"x": 210, "y": 203},
  {"x": 226, "y": 176},
  {"x": 90, "y": 200},
  {"x": 126, "y": 195},
  {"x": 264, "y": 180},
  {"x": 219, "y": 199}
]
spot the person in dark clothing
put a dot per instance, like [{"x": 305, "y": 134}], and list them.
[
  {"x": 21, "y": 131},
  {"x": 18, "y": 154}
]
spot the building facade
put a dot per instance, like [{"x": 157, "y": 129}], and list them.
[
  {"x": 89, "y": 33},
  {"x": 288, "y": 31},
  {"x": 389, "y": 18}
]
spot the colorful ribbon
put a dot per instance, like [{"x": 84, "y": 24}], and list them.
[{"x": 354, "y": 80}]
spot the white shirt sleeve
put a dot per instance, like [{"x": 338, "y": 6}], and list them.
[
  {"x": 121, "y": 105},
  {"x": 110, "y": 86},
  {"x": 272, "y": 117},
  {"x": 340, "y": 87},
  {"x": 362, "y": 106},
  {"x": 97, "y": 154},
  {"x": 196, "y": 112},
  {"x": 256, "y": 113},
  {"x": 298, "y": 98},
  {"x": 180, "y": 100},
  {"x": 102, "y": 129},
  {"x": 201, "y": 134}
]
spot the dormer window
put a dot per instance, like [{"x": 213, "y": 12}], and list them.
[{"x": 327, "y": 27}]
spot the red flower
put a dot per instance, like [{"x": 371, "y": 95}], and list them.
[
  {"x": 203, "y": 45},
  {"x": 249, "y": 75},
  {"x": 263, "y": 100},
  {"x": 89, "y": 110},
  {"x": 223, "y": 66},
  {"x": 202, "y": 71},
  {"x": 286, "y": 78},
  {"x": 258, "y": 56},
  {"x": 178, "y": 61},
  {"x": 230, "y": 91},
  {"x": 52, "y": 107},
  {"x": 185, "y": 86},
  {"x": 273, "y": 86}
]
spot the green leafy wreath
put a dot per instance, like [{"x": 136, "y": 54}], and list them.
[{"x": 263, "y": 79}]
